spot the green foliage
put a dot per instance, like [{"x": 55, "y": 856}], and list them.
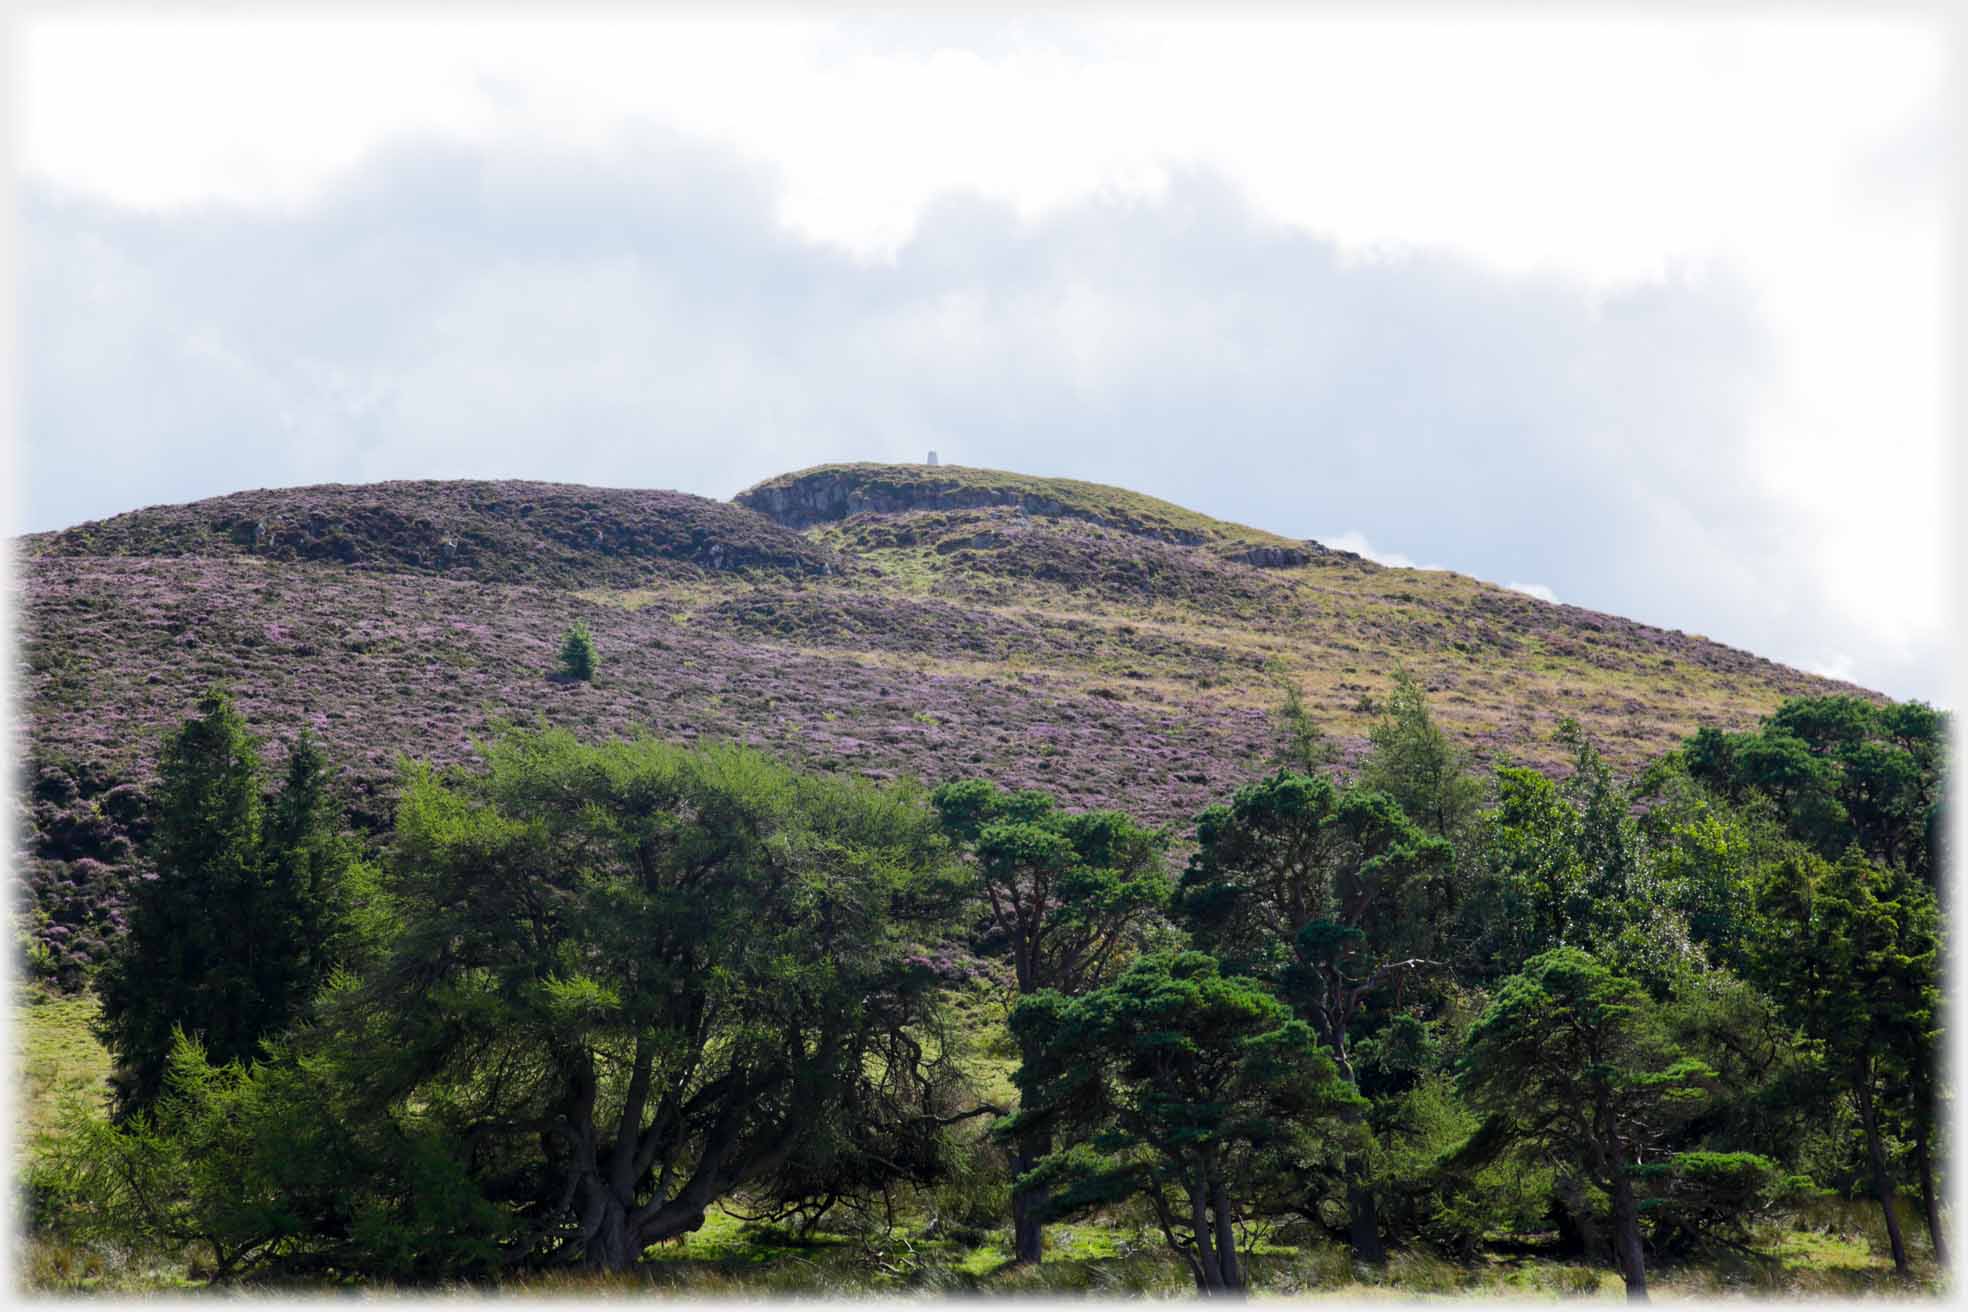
[
  {"x": 1567, "y": 864},
  {"x": 1420, "y": 767},
  {"x": 1530, "y": 895},
  {"x": 1852, "y": 954},
  {"x": 1304, "y": 746},
  {"x": 637, "y": 978},
  {"x": 1573, "y": 1062},
  {"x": 1330, "y": 894},
  {"x": 1199, "y": 1092},
  {"x": 1840, "y": 771},
  {"x": 1702, "y": 1196},
  {"x": 1069, "y": 894},
  {"x": 1068, "y": 897},
  {"x": 1772, "y": 1091},
  {"x": 577, "y": 652},
  {"x": 600, "y": 989},
  {"x": 247, "y": 911},
  {"x": 266, "y": 1165},
  {"x": 1337, "y": 902},
  {"x": 1568, "y": 1042}
]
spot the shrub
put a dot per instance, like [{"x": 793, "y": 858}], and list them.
[{"x": 577, "y": 652}]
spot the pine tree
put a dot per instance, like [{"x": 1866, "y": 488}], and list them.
[
  {"x": 185, "y": 960},
  {"x": 1334, "y": 898},
  {"x": 1572, "y": 1058},
  {"x": 1200, "y": 1093},
  {"x": 1070, "y": 894},
  {"x": 577, "y": 652},
  {"x": 237, "y": 924}
]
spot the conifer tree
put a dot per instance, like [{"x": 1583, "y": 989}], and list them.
[
  {"x": 577, "y": 652},
  {"x": 1572, "y": 1058},
  {"x": 1331, "y": 896},
  {"x": 235, "y": 926},
  {"x": 183, "y": 961},
  {"x": 1419, "y": 766},
  {"x": 1069, "y": 895},
  {"x": 1198, "y": 1092},
  {"x": 1852, "y": 955}
]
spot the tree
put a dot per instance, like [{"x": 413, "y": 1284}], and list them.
[
  {"x": 577, "y": 652},
  {"x": 1417, "y": 765},
  {"x": 1332, "y": 897},
  {"x": 1852, "y": 953},
  {"x": 1068, "y": 895},
  {"x": 634, "y": 978},
  {"x": 312, "y": 875},
  {"x": 1303, "y": 746},
  {"x": 263, "y": 1165},
  {"x": 242, "y": 918},
  {"x": 1529, "y": 892},
  {"x": 1196, "y": 1091},
  {"x": 1841, "y": 770},
  {"x": 1566, "y": 864},
  {"x": 1572, "y": 1060}
]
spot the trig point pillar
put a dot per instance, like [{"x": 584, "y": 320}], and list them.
[{"x": 932, "y": 457}]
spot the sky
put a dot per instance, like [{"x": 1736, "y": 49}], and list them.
[{"x": 1649, "y": 315}]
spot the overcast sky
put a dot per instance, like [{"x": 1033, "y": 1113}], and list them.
[{"x": 1653, "y": 317}]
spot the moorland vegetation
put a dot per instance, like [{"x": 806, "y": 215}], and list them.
[{"x": 908, "y": 879}]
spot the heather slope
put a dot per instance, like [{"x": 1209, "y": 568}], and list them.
[
  {"x": 508, "y": 532},
  {"x": 1107, "y": 647}
]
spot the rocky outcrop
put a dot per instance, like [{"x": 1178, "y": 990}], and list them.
[
  {"x": 825, "y": 495},
  {"x": 1307, "y": 552}
]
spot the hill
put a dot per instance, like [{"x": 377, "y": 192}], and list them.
[{"x": 1104, "y": 645}]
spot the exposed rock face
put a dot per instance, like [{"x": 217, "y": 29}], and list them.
[{"x": 1305, "y": 553}]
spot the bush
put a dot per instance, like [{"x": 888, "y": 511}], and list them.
[{"x": 577, "y": 652}]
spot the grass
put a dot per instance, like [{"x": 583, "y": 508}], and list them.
[{"x": 56, "y": 1057}]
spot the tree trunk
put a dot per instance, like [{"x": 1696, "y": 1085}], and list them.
[
  {"x": 1226, "y": 1241},
  {"x": 1362, "y": 1215},
  {"x": 1626, "y": 1234},
  {"x": 1363, "y": 1218},
  {"x": 1028, "y": 1233},
  {"x": 611, "y": 1246},
  {"x": 1212, "y": 1270},
  {"x": 1882, "y": 1183},
  {"x": 1930, "y": 1200}
]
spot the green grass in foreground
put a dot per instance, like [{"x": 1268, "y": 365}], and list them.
[{"x": 56, "y": 1057}]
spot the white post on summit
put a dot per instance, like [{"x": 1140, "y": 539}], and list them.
[{"x": 932, "y": 458}]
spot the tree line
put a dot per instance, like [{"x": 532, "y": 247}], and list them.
[{"x": 587, "y": 991}]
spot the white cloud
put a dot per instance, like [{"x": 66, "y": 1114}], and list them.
[
  {"x": 1837, "y": 665},
  {"x": 1355, "y": 541},
  {"x": 1538, "y": 590}
]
